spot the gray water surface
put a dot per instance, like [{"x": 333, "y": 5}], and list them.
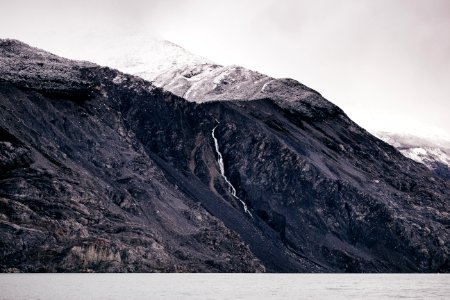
[{"x": 223, "y": 286}]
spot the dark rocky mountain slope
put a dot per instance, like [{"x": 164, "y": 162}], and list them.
[{"x": 102, "y": 171}]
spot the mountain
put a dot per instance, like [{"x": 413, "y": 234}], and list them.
[
  {"x": 104, "y": 171},
  {"x": 433, "y": 152},
  {"x": 198, "y": 79}
]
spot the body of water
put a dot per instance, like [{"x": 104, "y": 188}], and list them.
[{"x": 223, "y": 286}]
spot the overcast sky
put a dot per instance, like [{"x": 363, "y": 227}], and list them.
[{"x": 385, "y": 62}]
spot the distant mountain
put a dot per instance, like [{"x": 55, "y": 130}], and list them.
[
  {"x": 104, "y": 171},
  {"x": 434, "y": 152}
]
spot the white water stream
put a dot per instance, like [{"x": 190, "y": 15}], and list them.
[{"x": 222, "y": 172}]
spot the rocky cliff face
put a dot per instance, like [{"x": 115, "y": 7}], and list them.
[{"x": 101, "y": 171}]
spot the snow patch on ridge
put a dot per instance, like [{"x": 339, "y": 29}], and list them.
[{"x": 432, "y": 152}]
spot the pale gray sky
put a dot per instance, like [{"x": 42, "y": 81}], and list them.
[{"x": 385, "y": 62}]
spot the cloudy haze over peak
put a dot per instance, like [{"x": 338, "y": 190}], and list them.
[{"x": 385, "y": 63}]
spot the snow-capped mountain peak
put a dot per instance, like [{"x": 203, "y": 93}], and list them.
[{"x": 145, "y": 57}]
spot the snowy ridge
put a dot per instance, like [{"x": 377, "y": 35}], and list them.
[
  {"x": 211, "y": 82},
  {"x": 197, "y": 79},
  {"x": 432, "y": 152},
  {"x": 425, "y": 155}
]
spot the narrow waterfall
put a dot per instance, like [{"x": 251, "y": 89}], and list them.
[{"x": 222, "y": 172}]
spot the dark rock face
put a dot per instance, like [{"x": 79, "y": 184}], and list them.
[{"x": 124, "y": 177}]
